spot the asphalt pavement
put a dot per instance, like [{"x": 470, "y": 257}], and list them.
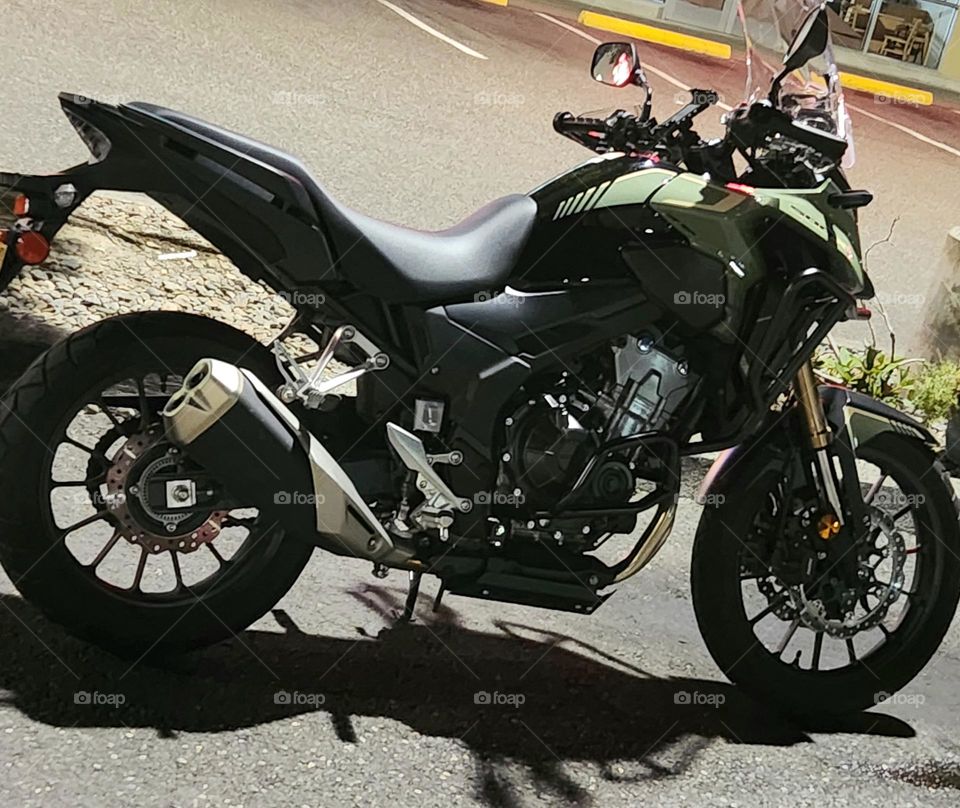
[{"x": 326, "y": 702}]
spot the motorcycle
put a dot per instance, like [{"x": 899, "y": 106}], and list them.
[{"x": 526, "y": 385}]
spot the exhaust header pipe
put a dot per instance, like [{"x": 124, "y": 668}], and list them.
[{"x": 232, "y": 425}]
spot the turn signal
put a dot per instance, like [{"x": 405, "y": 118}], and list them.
[
  {"x": 828, "y": 526},
  {"x": 21, "y": 205},
  {"x": 32, "y": 247}
]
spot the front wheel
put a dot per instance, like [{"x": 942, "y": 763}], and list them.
[
  {"x": 812, "y": 634},
  {"x": 107, "y": 527}
]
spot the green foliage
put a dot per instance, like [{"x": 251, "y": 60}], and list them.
[
  {"x": 935, "y": 389},
  {"x": 869, "y": 371}
]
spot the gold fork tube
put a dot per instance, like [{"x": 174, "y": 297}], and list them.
[
  {"x": 819, "y": 434},
  {"x": 812, "y": 407}
]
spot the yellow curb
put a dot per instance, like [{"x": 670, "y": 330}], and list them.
[
  {"x": 660, "y": 36},
  {"x": 887, "y": 89},
  {"x": 496, "y": 2}
]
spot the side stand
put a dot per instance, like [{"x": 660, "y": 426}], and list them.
[{"x": 411, "y": 602}]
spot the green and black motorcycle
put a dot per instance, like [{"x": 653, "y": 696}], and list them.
[{"x": 526, "y": 384}]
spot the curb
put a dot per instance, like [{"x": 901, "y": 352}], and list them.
[
  {"x": 658, "y": 36},
  {"x": 886, "y": 89},
  {"x": 671, "y": 37}
]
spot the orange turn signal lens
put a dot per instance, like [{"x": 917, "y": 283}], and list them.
[
  {"x": 32, "y": 247},
  {"x": 21, "y": 205}
]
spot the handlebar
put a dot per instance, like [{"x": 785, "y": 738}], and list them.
[{"x": 748, "y": 128}]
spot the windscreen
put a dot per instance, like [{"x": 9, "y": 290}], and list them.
[{"x": 812, "y": 93}]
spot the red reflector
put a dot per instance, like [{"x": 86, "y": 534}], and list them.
[
  {"x": 740, "y": 188},
  {"x": 32, "y": 248},
  {"x": 21, "y": 205},
  {"x": 863, "y": 313}
]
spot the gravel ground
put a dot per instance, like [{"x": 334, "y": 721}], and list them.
[{"x": 120, "y": 254}]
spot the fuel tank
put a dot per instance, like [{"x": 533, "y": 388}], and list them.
[
  {"x": 601, "y": 223},
  {"x": 696, "y": 247}
]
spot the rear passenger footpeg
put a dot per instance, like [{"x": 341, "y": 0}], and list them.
[{"x": 312, "y": 389}]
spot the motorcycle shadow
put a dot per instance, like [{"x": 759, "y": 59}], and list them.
[{"x": 518, "y": 695}]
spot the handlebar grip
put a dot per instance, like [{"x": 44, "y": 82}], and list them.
[{"x": 567, "y": 122}]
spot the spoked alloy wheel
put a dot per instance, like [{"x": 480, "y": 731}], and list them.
[
  {"x": 110, "y": 529},
  {"x": 813, "y": 633},
  {"x": 140, "y": 508}
]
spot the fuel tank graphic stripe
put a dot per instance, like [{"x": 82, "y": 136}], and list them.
[
  {"x": 601, "y": 189},
  {"x": 585, "y": 202}
]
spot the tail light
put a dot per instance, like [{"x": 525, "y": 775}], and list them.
[
  {"x": 32, "y": 247},
  {"x": 21, "y": 205}
]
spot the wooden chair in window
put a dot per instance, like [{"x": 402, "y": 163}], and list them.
[
  {"x": 853, "y": 17},
  {"x": 898, "y": 44},
  {"x": 919, "y": 47}
]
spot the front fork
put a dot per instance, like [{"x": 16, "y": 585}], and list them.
[{"x": 820, "y": 437}]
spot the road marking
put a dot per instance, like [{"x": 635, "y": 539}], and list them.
[
  {"x": 661, "y": 36},
  {"x": 648, "y": 68},
  {"x": 432, "y": 31},
  {"x": 908, "y": 131}
]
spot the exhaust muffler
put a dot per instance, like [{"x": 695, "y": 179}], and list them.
[{"x": 232, "y": 425}]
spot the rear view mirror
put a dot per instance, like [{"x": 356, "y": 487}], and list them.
[{"x": 616, "y": 64}]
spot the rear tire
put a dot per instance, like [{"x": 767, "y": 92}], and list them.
[
  {"x": 719, "y": 604},
  {"x": 37, "y": 409}
]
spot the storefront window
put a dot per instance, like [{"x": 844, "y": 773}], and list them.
[{"x": 913, "y": 31}]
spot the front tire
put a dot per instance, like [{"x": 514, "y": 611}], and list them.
[
  {"x": 802, "y": 686},
  {"x": 36, "y": 418}
]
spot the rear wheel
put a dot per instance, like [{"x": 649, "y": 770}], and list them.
[
  {"x": 789, "y": 627},
  {"x": 107, "y": 527}
]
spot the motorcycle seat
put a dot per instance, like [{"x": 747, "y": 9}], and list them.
[{"x": 398, "y": 264}]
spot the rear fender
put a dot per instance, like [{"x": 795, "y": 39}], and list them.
[{"x": 261, "y": 218}]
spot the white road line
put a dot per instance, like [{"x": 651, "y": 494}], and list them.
[
  {"x": 432, "y": 31},
  {"x": 908, "y": 131},
  {"x": 648, "y": 68}
]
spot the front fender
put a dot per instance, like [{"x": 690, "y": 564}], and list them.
[
  {"x": 861, "y": 418},
  {"x": 855, "y": 418}
]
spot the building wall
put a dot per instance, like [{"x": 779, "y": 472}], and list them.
[{"x": 950, "y": 61}]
